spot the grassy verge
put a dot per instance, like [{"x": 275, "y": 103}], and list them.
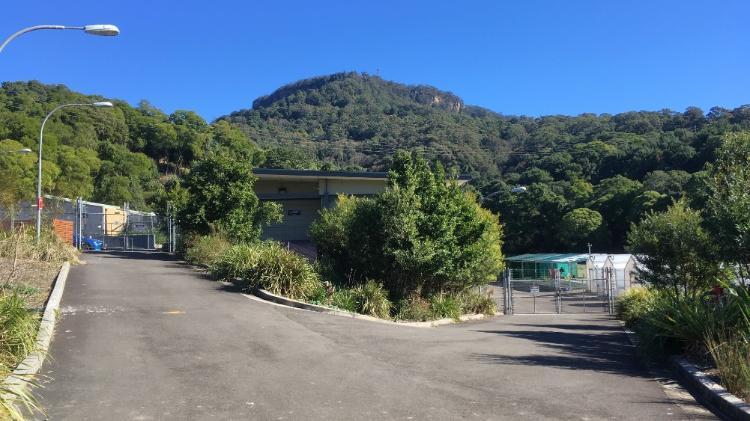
[
  {"x": 709, "y": 328},
  {"x": 27, "y": 272}
]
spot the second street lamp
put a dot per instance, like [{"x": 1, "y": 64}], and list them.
[
  {"x": 39, "y": 200},
  {"x": 104, "y": 30}
]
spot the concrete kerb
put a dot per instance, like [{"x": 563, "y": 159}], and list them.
[
  {"x": 287, "y": 302},
  {"x": 710, "y": 392},
  {"x": 30, "y": 366}
]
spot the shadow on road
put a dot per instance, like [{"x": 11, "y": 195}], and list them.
[{"x": 603, "y": 351}]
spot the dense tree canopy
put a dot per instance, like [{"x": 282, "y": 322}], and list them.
[
  {"x": 620, "y": 166},
  {"x": 109, "y": 155}
]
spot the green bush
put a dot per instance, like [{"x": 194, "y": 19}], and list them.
[
  {"x": 676, "y": 323},
  {"x": 205, "y": 250},
  {"x": 423, "y": 234},
  {"x": 344, "y": 299},
  {"x": 372, "y": 300},
  {"x": 18, "y": 328},
  {"x": 270, "y": 266},
  {"x": 634, "y": 304},
  {"x": 445, "y": 306},
  {"x": 236, "y": 262},
  {"x": 473, "y": 302},
  {"x": 414, "y": 308}
]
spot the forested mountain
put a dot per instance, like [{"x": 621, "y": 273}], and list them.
[
  {"x": 124, "y": 154},
  {"x": 586, "y": 177}
]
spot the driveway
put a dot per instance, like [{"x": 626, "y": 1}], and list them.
[{"x": 142, "y": 337}]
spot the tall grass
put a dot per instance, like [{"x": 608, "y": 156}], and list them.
[
  {"x": 730, "y": 352},
  {"x": 18, "y": 329},
  {"x": 205, "y": 250},
  {"x": 20, "y": 243},
  {"x": 372, "y": 299},
  {"x": 23, "y": 260},
  {"x": 270, "y": 266}
]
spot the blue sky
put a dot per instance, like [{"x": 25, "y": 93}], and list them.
[{"x": 523, "y": 57}]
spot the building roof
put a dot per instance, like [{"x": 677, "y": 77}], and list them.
[
  {"x": 548, "y": 257},
  {"x": 288, "y": 174}
]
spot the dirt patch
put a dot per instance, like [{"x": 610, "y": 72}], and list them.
[{"x": 33, "y": 277}]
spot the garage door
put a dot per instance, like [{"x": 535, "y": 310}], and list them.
[{"x": 298, "y": 215}]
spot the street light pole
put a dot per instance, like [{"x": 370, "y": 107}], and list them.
[
  {"x": 102, "y": 30},
  {"x": 39, "y": 200}
]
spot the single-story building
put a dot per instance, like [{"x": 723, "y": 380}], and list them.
[
  {"x": 304, "y": 193},
  {"x": 540, "y": 265},
  {"x": 589, "y": 267}
]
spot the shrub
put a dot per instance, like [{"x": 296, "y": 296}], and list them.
[
  {"x": 634, "y": 304},
  {"x": 730, "y": 352},
  {"x": 675, "y": 250},
  {"x": 18, "y": 327},
  {"x": 473, "y": 302},
  {"x": 205, "y": 250},
  {"x": 445, "y": 306},
  {"x": 676, "y": 323},
  {"x": 220, "y": 198},
  {"x": 424, "y": 233},
  {"x": 270, "y": 266},
  {"x": 235, "y": 263},
  {"x": 372, "y": 299},
  {"x": 344, "y": 299},
  {"x": 414, "y": 308}
]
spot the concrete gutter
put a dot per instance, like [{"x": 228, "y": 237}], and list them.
[
  {"x": 288, "y": 302},
  {"x": 710, "y": 392},
  {"x": 30, "y": 366}
]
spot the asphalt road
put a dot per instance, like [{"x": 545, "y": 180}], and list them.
[{"x": 144, "y": 338}]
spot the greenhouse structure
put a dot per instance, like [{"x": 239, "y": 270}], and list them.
[
  {"x": 541, "y": 265},
  {"x": 589, "y": 268}
]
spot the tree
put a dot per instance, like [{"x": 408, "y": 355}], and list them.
[
  {"x": 580, "y": 225},
  {"x": 728, "y": 206},
  {"x": 675, "y": 250},
  {"x": 424, "y": 234},
  {"x": 221, "y": 199}
]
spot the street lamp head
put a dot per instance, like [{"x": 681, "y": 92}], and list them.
[
  {"x": 103, "y": 104},
  {"x": 24, "y": 150},
  {"x": 104, "y": 30}
]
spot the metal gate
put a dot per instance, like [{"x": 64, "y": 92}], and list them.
[
  {"x": 555, "y": 295},
  {"x": 119, "y": 228}
]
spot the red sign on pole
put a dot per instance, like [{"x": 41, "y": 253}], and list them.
[{"x": 39, "y": 202}]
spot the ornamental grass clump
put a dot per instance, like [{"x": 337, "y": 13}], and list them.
[
  {"x": 269, "y": 266},
  {"x": 205, "y": 250},
  {"x": 18, "y": 329},
  {"x": 730, "y": 352},
  {"x": 371, "y": 299},
  {"x": 474, "y": 302}
]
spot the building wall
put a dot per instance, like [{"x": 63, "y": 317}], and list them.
[
  {"x": 273, "y": 186},
  {"x": 352, "y": 186},
  {"x": 302, "y": 201},
  {"x": 298, "y": 215}
]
